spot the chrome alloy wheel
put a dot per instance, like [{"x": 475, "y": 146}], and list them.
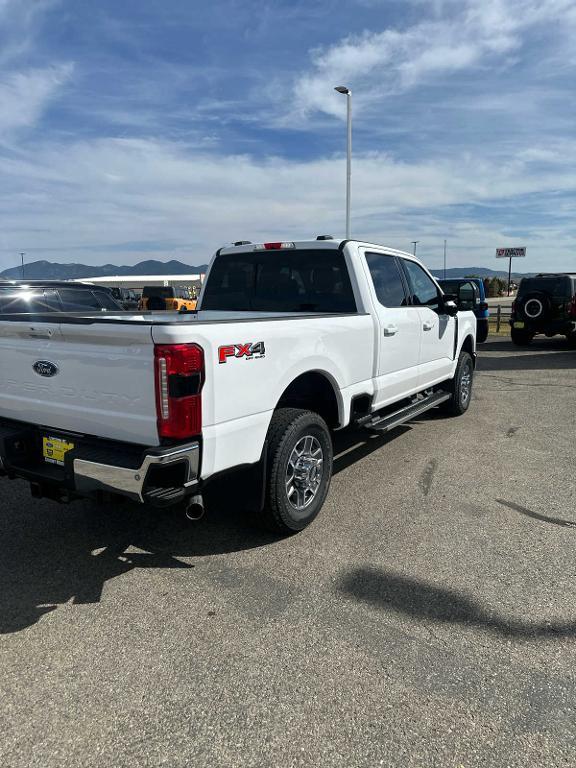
[
  {"x": 304, "y": 472},
  {"x": 466, "y": 383}
]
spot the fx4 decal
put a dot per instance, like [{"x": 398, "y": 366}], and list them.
[{"x": 250, "y": 351}]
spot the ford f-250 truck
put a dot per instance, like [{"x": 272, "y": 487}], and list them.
[{"x": 290, "y": 341}]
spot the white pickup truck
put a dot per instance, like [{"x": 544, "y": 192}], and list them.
[{"x": 289, "y": 342}]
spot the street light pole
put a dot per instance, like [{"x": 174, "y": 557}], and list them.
[
  {"x": 444, "y": 259},
  {"x": 22, "y": 254},
  {"x": 415, "y": 243},
  {"x": 348, "y": 93}
]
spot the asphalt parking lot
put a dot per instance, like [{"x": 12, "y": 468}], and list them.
[{"x": 427, "y": 617}]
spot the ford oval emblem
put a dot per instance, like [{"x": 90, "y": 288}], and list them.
[{"x": 45, "y": 368}]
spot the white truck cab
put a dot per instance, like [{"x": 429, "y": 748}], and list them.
[{"x": 289, "y": 341}]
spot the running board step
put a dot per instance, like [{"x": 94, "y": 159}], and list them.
[{"x": 391, "y": 420}]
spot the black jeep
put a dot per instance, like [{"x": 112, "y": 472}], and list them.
[{"x": 545, "y": 304}]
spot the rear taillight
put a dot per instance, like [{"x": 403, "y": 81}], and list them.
[
  {"x": 179, "y": 370},
  {"x": 514, "y": 306},
  {"x": 573, "y": 307}
]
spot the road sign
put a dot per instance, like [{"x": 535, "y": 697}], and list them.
[{"x": 509, "y": 253}]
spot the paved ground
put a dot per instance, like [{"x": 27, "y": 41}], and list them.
[{"x": 427, "y": 618}]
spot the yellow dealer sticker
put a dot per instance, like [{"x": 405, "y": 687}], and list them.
[{"x": 54, "y": 449}]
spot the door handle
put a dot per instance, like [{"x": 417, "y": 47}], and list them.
[
  {"x": 428, "y": 325},
  {"x": 390, "y": 330},
  {"x": 40, "y": 333}
]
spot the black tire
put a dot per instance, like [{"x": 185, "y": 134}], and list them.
[
  {"x": 288, "y": 429},
  {"x": 520, "y": 337},
  {"x": 460, "y": 387}
]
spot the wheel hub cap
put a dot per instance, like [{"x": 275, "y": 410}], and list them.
[
  {"x": 465, "y": 384},
  {"x": 304, "y": 472}
]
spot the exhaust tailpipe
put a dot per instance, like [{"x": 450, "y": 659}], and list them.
[{"x": 195, "y": 508}]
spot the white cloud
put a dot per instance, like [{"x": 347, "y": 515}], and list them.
[
  {"x": 25, "y": 95},
  {"x": 19, "y": 23},
  {"x": 25, "y": 91},
  {"x": 460, "y": 35},
  {"x": 92, "y": 195}
]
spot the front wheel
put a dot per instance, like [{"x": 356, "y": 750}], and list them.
[
  {"x": 300, "y": 459},
  {"x": 460, "y": 387}
]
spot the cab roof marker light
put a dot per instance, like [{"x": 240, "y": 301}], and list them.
[{"x": 273, "y": 246}]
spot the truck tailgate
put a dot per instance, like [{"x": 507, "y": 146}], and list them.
[{"x": 102, "y": 380}]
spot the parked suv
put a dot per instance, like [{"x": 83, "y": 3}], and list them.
[
  {"x": 470, "y": 294},
  {"x": 177, "y": 298},
  {"x": 545, "y": 304},
  {"x": 43, "y": 296}
]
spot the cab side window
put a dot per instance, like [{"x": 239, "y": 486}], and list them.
[
  {"x": 387, "y": 280},
  {"x": 423, "y": 290}
]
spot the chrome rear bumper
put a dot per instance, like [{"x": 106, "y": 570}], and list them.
[{"x": 90, "y": 476}]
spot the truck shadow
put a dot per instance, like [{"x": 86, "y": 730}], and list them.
[
  {"x": 391, "y": 592},
  {"x": 353, "y": 445},
  {"x": 51, "y": 555}
]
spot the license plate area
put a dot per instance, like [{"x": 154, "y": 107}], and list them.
[{"x": 54, "y": 449}]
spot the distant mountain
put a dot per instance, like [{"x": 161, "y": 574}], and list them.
[
  {"x": 475, "y": 272},
  {"x": 50, "y": 270}
]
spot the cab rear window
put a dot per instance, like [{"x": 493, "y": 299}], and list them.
[
  {"x": 280, "y": 281},
  {"x": 162, "y": 291}
]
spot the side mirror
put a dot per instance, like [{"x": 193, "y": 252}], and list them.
[{"x": 450, "y": 307}]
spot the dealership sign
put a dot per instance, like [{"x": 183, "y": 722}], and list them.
[{"x": 509, "y": 253}]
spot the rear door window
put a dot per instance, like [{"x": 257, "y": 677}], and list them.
[
  {"x": 78, "y": 301},
  {"x": 26, "y": 301},
  {"x": 52, "y": 300},
  {"x": 553, "y": 286},
  {"x": 106, "y": 300},
  {"x": 280, "y": 281},
  {"x": 387, "y": 280}
]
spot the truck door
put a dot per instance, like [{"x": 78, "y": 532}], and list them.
[
  {"x": 398, "y": 340},
  {"x": 438, "y": 328}
]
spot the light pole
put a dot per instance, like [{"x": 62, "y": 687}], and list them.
[
  {"x": 415, "y": 243},
  {"x": 22, "y": 254},
  {"x": 348, "y": 93},
  {"x": 444, "y": 259}
]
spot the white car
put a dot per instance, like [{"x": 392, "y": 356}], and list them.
[{"x": 290, "y": 341}]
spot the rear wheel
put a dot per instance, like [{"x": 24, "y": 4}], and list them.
[
  {"x": 460, "y": 386},
  {"x": 520, "y": 337},
  {"x": 300, "y": 459}
]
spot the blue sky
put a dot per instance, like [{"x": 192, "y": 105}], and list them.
[{"x": 162, "y": 130}]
